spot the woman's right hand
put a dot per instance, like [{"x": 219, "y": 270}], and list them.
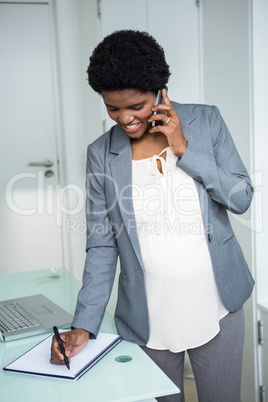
[{"x": 73, "y": 341}]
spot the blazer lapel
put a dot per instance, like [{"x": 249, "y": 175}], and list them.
[
  {"x": 121, "y": 169},
  {"x": 190, "y": 124},
  {"x": 192, "y": 130}
]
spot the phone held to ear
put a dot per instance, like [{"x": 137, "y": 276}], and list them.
[{"x": 158, "y": 100}]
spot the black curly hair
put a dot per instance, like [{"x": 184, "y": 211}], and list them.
[{"x": 128, "y": 59}]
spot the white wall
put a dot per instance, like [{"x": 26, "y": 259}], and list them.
[
  {"x": 260, "y": 107},
  {"x": 227, "y": 83},
  {"x": 88, "y": 39},
  {"x": 260, "y": 96},
  {"x": 76, "y": 27}
]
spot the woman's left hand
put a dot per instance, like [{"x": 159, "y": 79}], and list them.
[{"x": 171, "y": 127}]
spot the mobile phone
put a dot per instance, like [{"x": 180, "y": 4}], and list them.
[{"x": 158, "y": 100}]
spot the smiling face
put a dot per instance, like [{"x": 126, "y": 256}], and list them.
[{"x": 130, "y": 108}]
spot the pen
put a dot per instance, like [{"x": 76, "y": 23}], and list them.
[{"x": 57, "y": 335}]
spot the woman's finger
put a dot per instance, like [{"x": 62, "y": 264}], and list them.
[
  {"x": 166, "y": 98},
  {"x": 171, "y": 110},
  {"x": 159, "y": 117}
]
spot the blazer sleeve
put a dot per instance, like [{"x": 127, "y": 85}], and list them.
[
  {"x": 222, "y": 172},
  {"x": 101, "y": 258}
]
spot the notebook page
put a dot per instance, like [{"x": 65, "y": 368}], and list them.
[{"x": 36, "y": 360}]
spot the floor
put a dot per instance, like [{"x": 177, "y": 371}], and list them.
[{"x": 190, "y": 390}]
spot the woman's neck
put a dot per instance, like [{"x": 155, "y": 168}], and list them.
[{"x": 148, "y": 145}]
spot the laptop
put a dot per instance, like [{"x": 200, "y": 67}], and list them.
[{"x": 30, "y": 315}]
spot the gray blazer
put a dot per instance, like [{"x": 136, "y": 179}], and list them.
[{"x": 222, "y": 181}]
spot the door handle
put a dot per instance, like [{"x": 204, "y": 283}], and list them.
[{"x": 46, "y": 163}]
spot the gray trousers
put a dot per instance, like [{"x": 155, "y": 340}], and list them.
[{"x": 217, "y": 365}]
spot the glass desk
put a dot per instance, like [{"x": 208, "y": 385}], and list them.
[{"x": 107, "y": 381}]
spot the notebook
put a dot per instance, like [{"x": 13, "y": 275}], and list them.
[
  {"x": 36, "y": 360},
  {"x": 30, "y": 315}
]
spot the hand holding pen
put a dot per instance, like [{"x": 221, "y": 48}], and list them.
[
  {"x": 73, "y": 341},
  {"x": 57, "y": 335}
]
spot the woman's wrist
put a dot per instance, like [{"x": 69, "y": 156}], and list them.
[
  {"x": 81, "y": 330},
  {"x": 182, "y": 149}
]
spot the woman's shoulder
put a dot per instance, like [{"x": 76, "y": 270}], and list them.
[
  {"x": 113, "y": 141},
  {"x": 205, "y": 114},
  {"x": 194, "y": 108},
  {"x": 97, "y": 150},
  {"x": 103, "y": 140}
]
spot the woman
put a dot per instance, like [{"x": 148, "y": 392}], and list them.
[{"x": 157, "y": 197}]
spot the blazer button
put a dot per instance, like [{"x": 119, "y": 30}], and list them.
[{"x": 209, "y": 238}]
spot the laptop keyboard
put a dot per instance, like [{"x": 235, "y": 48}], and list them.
[{"x": 13, "y": 317}]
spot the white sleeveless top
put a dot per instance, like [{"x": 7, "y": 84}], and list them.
[{"x": 183, "y": 301}]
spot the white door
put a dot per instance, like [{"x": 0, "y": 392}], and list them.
[{"x": 30, "y": 230}]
